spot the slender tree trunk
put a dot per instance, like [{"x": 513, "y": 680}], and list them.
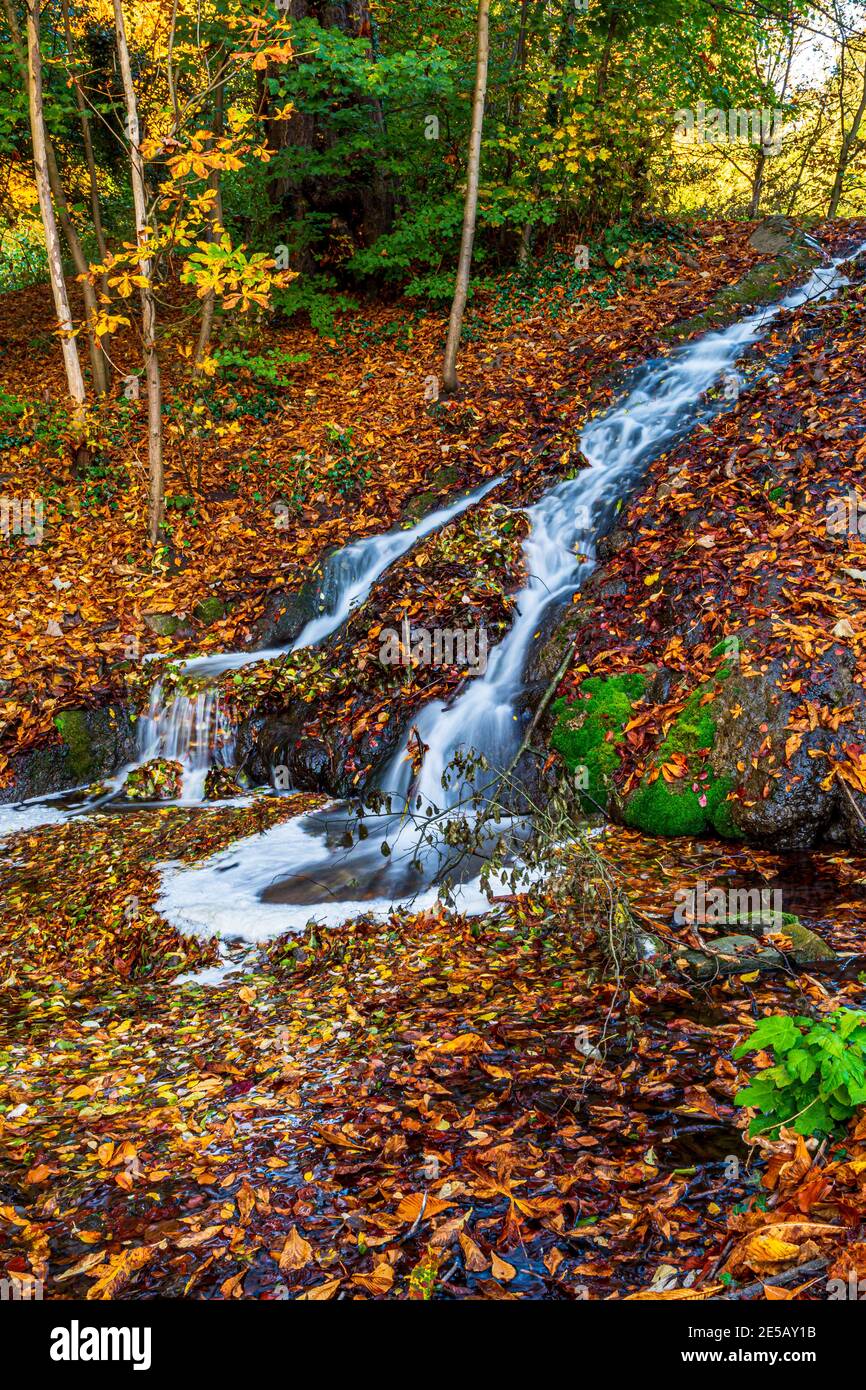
[
  {"x": 560, "y": 63},
  {"x": 379, "y": 204},
  {"x": 74, "y": 376},
  {"x": 169, "y": 64},
  {"x": 98, "y": 363},
  {"x": 849, "y": 140},
  {"x": 515, "y": 101},
  {"x": 761, "y": 165},
  {"x": 464, "y": 264},
  {"x": 148, "y": 301},
  {"x": 758, "y": 184},
  {"x": 808, "y": 148}
]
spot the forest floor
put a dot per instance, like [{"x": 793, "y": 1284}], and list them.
[
  {"x": 430, "y": 1106},
  {"x": 342, "y": 445}
]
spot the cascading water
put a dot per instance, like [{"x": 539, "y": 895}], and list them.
[
  {"x": 193, "y": 729},
  {"x": 196, "y": 729},
  {"x": 296, "y": 872}
]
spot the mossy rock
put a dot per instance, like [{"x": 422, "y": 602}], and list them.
[
  {"x": 418, "y": 507},
  {"x": 588, "y": 731},
  {"x": 763, "y": 921},
  {"x": 695, "y": 803},
  {"x": 657, "y": 809},
  {"x": 806, "y": 946},
  {"x": 161, "y": 779},
  {"x": 209, "y": 610},
  {"x": 91, "y": 744},
  {"x": 741, "y": 954},
  {"x": 764, "y": 284},
  {"x": 72, "y": 726},
  {"x": 163, "y": 624}
]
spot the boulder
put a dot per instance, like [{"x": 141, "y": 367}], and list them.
[
  {"x": 773, "y": 236},
  {"x": 93, "y": 743},
  {"x": 209, "y": 610},
  {"x": 163, "y": 624},
  {"x": 742, "y": 953}
]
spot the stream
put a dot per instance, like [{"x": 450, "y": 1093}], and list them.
[{"x": 304, "y": 869}]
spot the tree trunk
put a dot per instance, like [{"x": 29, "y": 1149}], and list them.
[
  {"x": 515, "y": 101},
  {"x": 464, "y": 264},
  {"x": 148, "y": 301},
  {"x": 849, "y": 139},
  {"x": 74, "y": 377},
  {"x": 364, "y": 204},
  {"x": 98, "y": 363},
  {"x": 758, "y": 184}
]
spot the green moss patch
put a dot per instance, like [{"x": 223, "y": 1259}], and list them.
[
  {"x": 72, "y": 726},
  {"x": 763, "y": 284},
  {"x": 588, "y": 731},
  {"x": 692, "y": 804}
]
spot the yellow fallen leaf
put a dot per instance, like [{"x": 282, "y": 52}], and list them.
[
  {"x": 379, "y": 1281},
  {"x": 116, "y": 1273},
  {"x": 473, "y": 1256},
  {"x": 411, "y": 1207},
  {"x": 693, "y": 1295}
]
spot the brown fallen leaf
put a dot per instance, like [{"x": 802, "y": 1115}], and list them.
[
  {"x": 473, "y": 1256},
  {"x": 81, "y": 1266},
  {"x": 320, "y": 1293},
  {"x": 464, "y": 1043},
  {"x": 379, "y": 1281},
  {"x": 501, "y": 1269},
  {"x": 411, "y": 1207},
  {"x": 684, "y": 1295},
  {"x": 296, "y": 1252},
  {"x": 553, "y": 1259}
]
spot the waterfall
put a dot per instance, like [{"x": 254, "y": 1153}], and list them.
[
  {"x": 296, "y": 872},
  {"x": 196, "y": 730},
  {"x": 193, "y": 729}
]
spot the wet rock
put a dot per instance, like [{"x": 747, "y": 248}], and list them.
[
  {"x": 210, "y": 610},
  {"x": 742, "y": 953},
  {"x": 93, "y": 743},
  {"x": 221, "y": 783},
  {"x": 780, "y": 799},
  {"x": 163, "y": 624},
  {"x": 424, "y": 502},
  {"x": 613, "y": 543},
  {"x": 281, "y": 750},
  {"x": 286, "y": 614}
]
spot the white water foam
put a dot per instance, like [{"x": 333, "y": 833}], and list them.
[{"x": 26, "y": 815}]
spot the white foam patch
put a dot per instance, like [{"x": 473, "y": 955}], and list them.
[
  {"x": 26, "y": 816},
  {"x": 221, "y": 895}
]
